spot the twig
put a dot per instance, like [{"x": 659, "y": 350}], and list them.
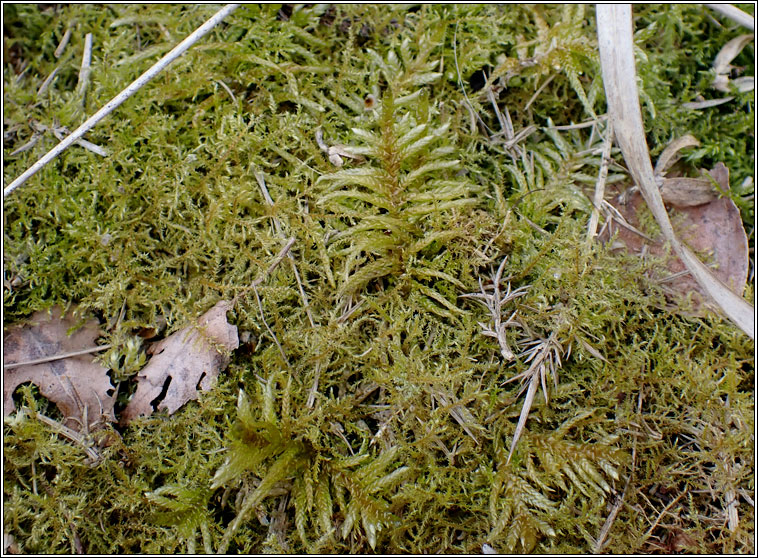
[
  {"x": 61, "y": 131},
  {"x": 36, "y": 135},
  {"x": 579, "y": 126},
  {"x": 536, "y": 93},
  {"x": 62, "y": 45},
  {"x": 284, "y": 252},
  {"x": 660, "y": 515},
  {"x": 254, "y": 285},
  {"x": 273, "y": 335},
  {"x": 697, "y": 105},
  {"x": 505, "y": 123},
  {"x": 72, "y": 435},
  {"x": 495, "y": 302},
  {"x": 314, "y": 387},
  {"x": 460, "y": 81},
  {"x": 58, "y": 357},
  {"x": 226, "y": 88},
  {"x": 278, "y": 227},
  {"x": 130, "y": 90},
  {"x": 600, "y": 184},
  {"x": 84, "y": 72},
  {"x": 257, "y": 282},
  {"x": 46, "y": 83},
  {"x": 733, "y": 13},
  {"x": 617, "y": 62},
  {"x": 600, "y": 541}
]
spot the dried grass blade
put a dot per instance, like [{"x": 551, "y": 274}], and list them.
[
  {"x": 524, "y": 412},
  {"x": 614, "y": 24}
]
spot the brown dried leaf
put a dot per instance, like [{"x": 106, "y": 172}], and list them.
[
  {"x": 713, "y": 228},
  {"x": 79, "y": 386},
  {"x": 683, "y": 191},
  {"x": 188, "y": 359},
  {"x": 722, "y": 66}
]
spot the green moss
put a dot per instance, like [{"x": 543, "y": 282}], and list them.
[{"x": 379, "y": 418}]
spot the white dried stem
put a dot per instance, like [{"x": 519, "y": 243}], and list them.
[
  {"x": 734, "y": 13},
  {"x": 46, "y": 83},
  {"x": 278, "y": 228},
  {"x": 616, "y": 45},
  {"x": 62, "y": 45},
  {"x": 61, "y": 356},
  {"x": 85, "y": 70},
  {"x": 130, "y": 90},
  {"x": 602, "y": 174},
  {"x": 494, "y": 303},
  {"x": 60, "y": 133}
]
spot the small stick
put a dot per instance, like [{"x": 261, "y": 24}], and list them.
[
  {"x": 28, "y": 145},
  {"x": 254, "y": 285},
  {"x": 580, "y": 125},
  {"x": 130, "y": 90},
  {"x": 61, "y": 132},
  {"x": 537, "y": 93},
  {"x": 72, "y": 435},
  {"x": 733, "y": 13},
  {"x": 314, "y": 388},
  {"x": 226, "y": 87},
  {"x": 507, "y": 130},
  {"x": 282, "y": 254},
  {"x": 263, "y": 317},
  {"x": 600, "y": 542},
  {"x": 84, "y": 72},
  {"x": 600, "y": 185},
  {"x": 64, "y": 41},
  {"x": 460, "y": 81},
  {"x": 58, "y": 357},
  {"x": 46, "y": 83}
]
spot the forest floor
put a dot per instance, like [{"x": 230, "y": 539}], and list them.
[{"x": 348, "y": 285}]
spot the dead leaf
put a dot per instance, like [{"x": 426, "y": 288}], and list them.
[
  {"x": 713, "y": 228},
  {"x": 683, "y": 191},
  {"x": 187, "y": 360},
  {"x": 79, "y": 386},
  {"x": 670, "y": 154},
  {"x": 336, "y": 151}
]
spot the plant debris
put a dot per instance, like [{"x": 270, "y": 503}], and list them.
[
  {"x": 708, "y": 225},
  {"x": 187, "y": 360},
  {"x": 373, "y": 406},
  {"x": 78, "y": 385}
]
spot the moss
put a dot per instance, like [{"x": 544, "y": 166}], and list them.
[{"x": 377, "y": 418}]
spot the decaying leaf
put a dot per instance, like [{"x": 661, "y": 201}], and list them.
[
  {"x": 713, "y": 228},
  {"x": 670, "y": 154},
  {"x": 683, "y": 191},
  {"x": 78, "y": 385},
  {"x": 187, "y": 360},
  {"x": 335, "y": 152}
]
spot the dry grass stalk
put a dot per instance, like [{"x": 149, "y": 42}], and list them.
[{"x": 619, "y": 76}]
